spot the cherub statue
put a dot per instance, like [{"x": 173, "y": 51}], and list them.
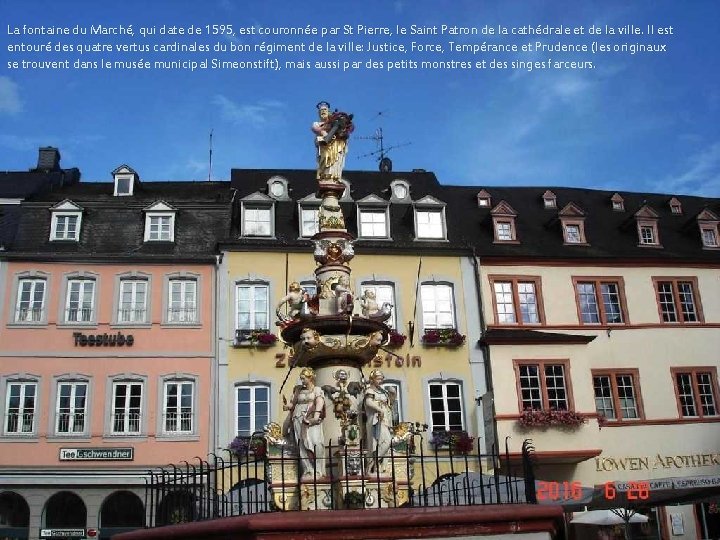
[
  {"x": 369, "y": 307},
  {"x": 309, "y": 338},
  {"x": 296, "y": 299},
  {"x": 343, "y": 294}
]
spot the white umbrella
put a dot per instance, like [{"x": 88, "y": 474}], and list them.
[{"x": 612, "y": 516}]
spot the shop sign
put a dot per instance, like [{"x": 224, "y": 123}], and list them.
[
  {"x": 380, "y": 361},
  {"x": 645, "y": 463},
  {"x": 103, "y": 340},
  {"x": 62, "y": 533},
  {"x": 97, "y": 454}
]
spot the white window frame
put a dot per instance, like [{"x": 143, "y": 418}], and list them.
[
  {"x": 307, "y": 212},
  {"x": 182, "y": 314},
  {"x": 444, "y": 399},
  {"x": 37, "y": 315},
  {"x": 22, "y": 413},
  {"x": 709, "y": 236},
  {"x": 138, "y": 312},
  {"x": 426, "y": 228},
  {"x": 252, "y": 286},
  {"x": 127, "y": 410},
  {"x": 73, "y": 410},
  {"x": 179, "y": 408},
  {"x": 159, "y": 235},
  {"x": 384, "y": 292},
  {"x": 376, "y": 226},
  {"x": 84, "y": 282},
  {"x": 250, "y": 210},
  {"x": 55, "y": 229},
  {"x": 253, "y": 417},
  {"x": 573, "y": 233},
  {"x": 430, "y": 305}
]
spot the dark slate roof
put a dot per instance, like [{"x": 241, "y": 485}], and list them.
[
  {"x": 610, "y": 234},
  {"x": 113, "y": 227}
]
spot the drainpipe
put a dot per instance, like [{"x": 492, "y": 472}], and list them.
[{"x": 215, "y": 407}]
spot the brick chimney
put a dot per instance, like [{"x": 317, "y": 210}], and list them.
[{"x": 48, "y": 159}]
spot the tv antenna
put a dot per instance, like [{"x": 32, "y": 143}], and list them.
[{"x": 384, "y": 162}]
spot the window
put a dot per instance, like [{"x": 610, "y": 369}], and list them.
[
  {"x": 30, "y": 301},
  {"x": 132, "y": 306},
  {"x": 80, "y": 302},
  {"x": 600, "y": 300},
  {"x": 252, "y": 306},
  {"x": 253, "y": 408},
  {"x": 126, "y": 408},
  {"x": 678, "y": 300},
  {"x": 384, "y": 292},
  {"x": 393, "y": 390},
  {"x": 709, "y": 237},
  {"x": 257, "y": 221},
  {"x": 617, "y": 396},
  {"x": 647, "y": 234},
  {"x": 503, "y": 230},
  {"x": 437, "y": 306},
  {"x": 123, "y": 186},
  {"x": 696, "y": 390},
  {"x": 517, "y": 300},
  {"x": 71, "y": 407},
  {"x": 572, "y": 234},
  {"x": 484, "y": 199},
  {"x": 708, "y": 223},
  {"x": 178, "y": 407},
  {"x": 125, "y": 179},
  {"x": 446, "y": 406},
  {"x": 503, "y": 217},
  {"x": 182, "y": 301},
  {"x": 65, "y": 226},
  {"x": 20, "y": 407},
  {"x": 430, "y": 224},
  {"x": 159, "y": 228},
  {"x": 675, "y": 206},
  {"x": 309, "y": 221},
  {"x": 549, "y": 200},
  {"x": 618, "y": 203},
  {"x": 543, "y": 385},
  {"x": 373, "y": 223}
]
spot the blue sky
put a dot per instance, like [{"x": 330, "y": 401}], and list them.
[{"x": 643, "y": 122}]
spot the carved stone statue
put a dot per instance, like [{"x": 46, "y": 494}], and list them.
[
  {"x": 331, "y": 134},
  {"x": 295, "y": 299},
  {"x": 304, "y": 423},
  {"x": 378, "y": 405},
  {"x": 309, "y": 338},
  {"x": 343, "y": 294},
  {"x": 369, "y": 307}
]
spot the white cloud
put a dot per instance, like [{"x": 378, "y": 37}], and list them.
[
  {"x": 702, "y": 174},
  {"x": 257, "y": 114},
  {"x": 10, "y": 102}
]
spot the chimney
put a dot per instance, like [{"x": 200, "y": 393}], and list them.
[{"x": 48, "y": 159}]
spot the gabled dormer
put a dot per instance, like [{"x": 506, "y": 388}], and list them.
[
  {"x": 257, "y": 214},
  {"x": 504, "y": 231},
  {"x": 708, "y": 224},
  {"x": 572, "y": 219},
  {"x": 484, "y": 200},
  {"x": 646, "y": 220},
  {"x": 126, "y": 181},
  {"x": 549, "y": 200},
  {"x": 66, "y": 221},
  {"x": 675, "y": 206},
  {"x": 373, "y": 217},
  {"x": 400, "y": 192},
  {"x": 278, "y": 188},
  {"x": 618, "y": 203},
  {"x": 160, "y": 222},
  {"x": 430, "y": 221}
]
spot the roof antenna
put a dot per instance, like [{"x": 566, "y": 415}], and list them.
[
  {"x": 210, "y": 163},
  {"x": 384, "y": 162}
]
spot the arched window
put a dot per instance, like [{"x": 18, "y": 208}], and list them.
[
  {"x": 65, "y": 510},
  {"x": 14, "y": 512},
  {"x": 122, "y": 510}
]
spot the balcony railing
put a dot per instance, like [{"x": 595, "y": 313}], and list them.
[
  {"x": 79, "y": 315},
  {"x": 126, "y": 422},
  {"x": 19, "y": 422},
  {"x": 131, "y": 315},
  {"x": 178, "y": 422},
  {"x": 182, "y": 315},
  {"x": 29, "y": 315},
  {"x": 71, "y": 422}
]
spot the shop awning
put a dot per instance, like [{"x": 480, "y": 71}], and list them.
[{"x": 656, "y": 492}]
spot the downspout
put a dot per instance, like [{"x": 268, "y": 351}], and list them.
[{"x": 216, "y": 359}]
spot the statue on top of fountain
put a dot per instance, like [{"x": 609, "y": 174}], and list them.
[{"x": 331, "y": 135}]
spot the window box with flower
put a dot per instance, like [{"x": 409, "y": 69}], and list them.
[
  {"x": 457, "y": 442},
  {"x": 247, "y": 448},
  {"x": 254, "y": 338},
  {"x": 443, "y": 337},
  {"x": 396, "y": 339},
  {"x": 537, "y": 418}
]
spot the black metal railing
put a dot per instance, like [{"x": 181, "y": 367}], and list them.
[{"x": 251, "y": 479}]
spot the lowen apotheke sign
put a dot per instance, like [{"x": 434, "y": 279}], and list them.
[
  {"x": 97, "y": 454},
  {"x": 103, "y": 340}
]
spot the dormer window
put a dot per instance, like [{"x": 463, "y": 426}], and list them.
[
  {"x": 484, "y": 199},
  {"x": 160, "y": 222},
  {"x": 125, "y": 179},
  {"x": 708, "y": 224},
  {"x": 549, "y": 200},
  {"x": 278, "y": 188},
  {"x": 430, "y": 219},
  {"x": 373, "y": 218},
  {"x": 400, "y": 191},
  {"x": 647, "y": 227},
  {"x": 572, "y": 219},
  {"x": 675, "y": 206},
  {"x": 309, "y": 214},
  {"x": 66, "y": 220},
  {"x": 503, "y": 217},
  {"x": 258, "y": 216},
  {"x": 618, "y": 203}
]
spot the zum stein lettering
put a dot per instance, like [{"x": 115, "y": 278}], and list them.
[{"x": 103, "y": 340}]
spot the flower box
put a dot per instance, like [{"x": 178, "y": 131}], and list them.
[
  {"x": 536, "y": 418},
  {"x": 445, "y": 337},
  {"x": 247, "y": 448},
  {"x": 254, "y": 338},
  {"x": 396, "y": 339},
  {"x": 458, "y": 442}
]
